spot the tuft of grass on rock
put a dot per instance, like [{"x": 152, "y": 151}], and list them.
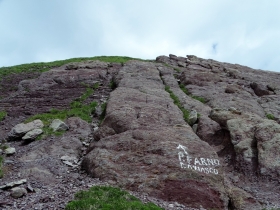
[
  {"x": 270, "y": 116},
  {"x": 186, "y": 113},
  {"x": 198, "y": 98},
  {"x": 105, "y": 198},
  {"x": 177, "y": 70},
  {"x": 185, "y": 90},
  {"x": 77, "y": 109},
  {"x": 3, "y": 114}
]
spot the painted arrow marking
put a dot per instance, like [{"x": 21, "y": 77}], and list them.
[{"x": 183, "y": 148}]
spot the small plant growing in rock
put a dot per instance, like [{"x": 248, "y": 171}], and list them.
[
  {"x": 103, "y": 198},
  {"x": 270, "y": 116},
  {"x": 198, "y": 98},
  {"x": 2, "y": 115},
  {"x": 77, "y": 109},
  {"x": 185, "y": 90},
  {"x": 186, "y": 113},
  {"x": 177, "y": 70}
]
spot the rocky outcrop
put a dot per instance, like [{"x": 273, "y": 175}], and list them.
[
  {"x": 193, "y": 132},
  {"x": 150, "y": 152},
  {"x": 255, "y": 142}
]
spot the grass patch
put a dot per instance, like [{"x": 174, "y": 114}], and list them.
[
  {"x": 107, "y": 198},
  {"x": 177, "y": 70},
  {"x": 270, "y": 116},
  {"x": 46, "y": 66},
  {"x": 198, "y": 98},
  {"x": 185, "y": 90},
  {"x": 1, "y": 166},
  {"x": 77, "y": 109},
  {"x": 186, "y": 113},
  {"x": 3, "y": 114},
  {"x": 4, "y": 146}
]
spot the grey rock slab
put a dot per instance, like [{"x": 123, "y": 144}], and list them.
[
  {"x": 192, "y": 117},
  {"x": 69, "y": 163},
  {"x": 29, "y": 188},
  {"x": 13, "y": 184},
  {"x": 98, "y": 111},
  {"x": 58, "y": 125},
  {"x": 68, "y": 158},
  {"x": 194, "y": 127},
  {"x": 21, "y": 129},
  {"x": 33, "y": 134},
  {"x": 10, "y": 151}
]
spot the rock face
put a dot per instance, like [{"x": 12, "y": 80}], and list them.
[
  {"x": 149, "y": 152},
  {"x": 196, "y": 133}
]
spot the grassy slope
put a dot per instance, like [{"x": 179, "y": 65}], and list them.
[
  {"x": 105, "y": 198},
  {"x": 45, "y": 66}
]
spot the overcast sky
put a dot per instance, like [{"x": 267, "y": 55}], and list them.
[{"x": 235, "y": 31}]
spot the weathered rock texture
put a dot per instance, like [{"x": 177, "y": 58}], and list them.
[
  {"x": 227, "y": 157},
  {"x": 154, "y": 150}
]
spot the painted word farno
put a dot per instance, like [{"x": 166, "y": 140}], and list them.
[{"x": 205, "y": 165}]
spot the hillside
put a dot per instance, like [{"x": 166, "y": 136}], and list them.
[{"x": 181, "y": 132}]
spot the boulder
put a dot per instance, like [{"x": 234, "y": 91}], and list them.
[
  {"x": 79, "y": 127},
  {"x": 98, "y": 111},
  {"x": 181, "y": 64},
  {"x": 259, "y": 90},
  {"x": 58, "y": 125},
  {"x": 21, "y": 129},
  {"x": 18, "y": 192},
  {"x": 33, "y": 134},
  {"x": 10, "y": 151},
  {"x": 194, "y": 127},
  {"x": 192, "y": 117},
  {"x": 102, "y": 132}
]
